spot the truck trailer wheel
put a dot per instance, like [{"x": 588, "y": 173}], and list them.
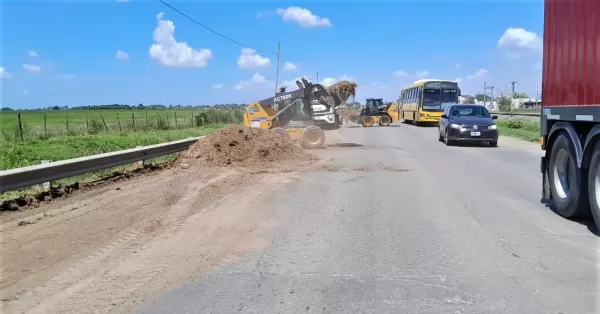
[
  {"x": 594, "y": 185},
  {"x": 568, "y": 186},
  {"x": 367, "y": 121},
  {"x": 313, "y": 137},
  {"x": 385, "y": 120}
]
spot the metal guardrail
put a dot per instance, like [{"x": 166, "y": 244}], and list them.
[
  {"x": 530, "y": 114},
  {"x": 17, "y": 178}
]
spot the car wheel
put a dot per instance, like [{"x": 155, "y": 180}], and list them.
[
  {"x": 569, "y": 189},
  {"x": 440, "y": 136},
  {"x": 493, "y": 143},
  {"x": 447, "y": 141}
]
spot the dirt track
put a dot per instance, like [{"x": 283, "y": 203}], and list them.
[
  {"x": 92, "y": 251},
  {"x": 106, "y": 249}
]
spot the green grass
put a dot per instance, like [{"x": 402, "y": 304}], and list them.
[
  {"x": 14, "y": 155},
  {"x": 45, "y": 124},
  {"x": 17, "y": 154},
  {"x": 524, "y": 129}
]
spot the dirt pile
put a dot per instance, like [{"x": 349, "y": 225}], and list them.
[{"x": 246, "y": 147}]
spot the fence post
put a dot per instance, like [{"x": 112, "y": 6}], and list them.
[
  {"x": 46, "y": 185},
  {"x": 45, "y": 127},
  {"x": 176, "y": 126},
  {"x": 104, "y": 122},
  {"x": 146, "y": 118},
  {"x": 87, "y": 123},
  {"x": 20, "y": 126},
  {"x": 133, "y": 120},
  {"x": 119, "y": 122},
  {"x": 192, "y": 120},
  {"x": 67, "y": 124}
]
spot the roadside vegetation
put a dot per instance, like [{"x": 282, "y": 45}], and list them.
[
  {"x": 46, "y": 135},
  {"x": 524, "y": 129}
]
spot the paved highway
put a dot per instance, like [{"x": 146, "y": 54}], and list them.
[{"x": 401, "y": 223}]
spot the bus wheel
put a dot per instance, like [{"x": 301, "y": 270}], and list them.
[
  {"x": 594, "y": 185},
  {"x": 367, "y": 121},
  {"x": 569, "y": 190},
  {"x": 385, "y": 120}
]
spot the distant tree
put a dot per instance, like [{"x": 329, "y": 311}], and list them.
[
  {"x": 504, "y": 104},
  {"x": 469, "y": 100},
  {"x": 55, "y": 108},
  {"x": 481, "y": 97},
  {"x": 6, "y": 109},
  {"x": 521, "y": 95}
]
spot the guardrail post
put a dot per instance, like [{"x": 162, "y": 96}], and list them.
[
  {"x": 46, "y": 185},
  {"x": 141, "y": 162}
]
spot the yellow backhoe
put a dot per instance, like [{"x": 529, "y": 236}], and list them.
[{"x": 291, "y": 113}]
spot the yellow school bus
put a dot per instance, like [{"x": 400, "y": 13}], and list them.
[{"x": 425, "y": 100}]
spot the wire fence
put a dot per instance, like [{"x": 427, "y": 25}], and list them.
[{"x": 42, "y": 125}]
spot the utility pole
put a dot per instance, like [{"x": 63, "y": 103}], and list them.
[
  {"x": 484, "y": 92},
  {"x": 278, "y": 57},
  {"x": 317, "y": 77},
  {"x": 513, "y": 88}
]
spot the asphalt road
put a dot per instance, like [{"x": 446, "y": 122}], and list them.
[{"x": 462, "y": 230}]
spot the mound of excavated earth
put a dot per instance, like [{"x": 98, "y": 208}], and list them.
[{"x": 241, "y": 146}]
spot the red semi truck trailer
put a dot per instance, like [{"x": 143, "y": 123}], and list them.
[{"x": 570, "y": 118}]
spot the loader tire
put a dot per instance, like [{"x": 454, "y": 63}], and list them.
[
  {"x": 313, "y": 137},
  {"x": 367, "y": 121},
  {"x": 385, "y": 120},
  {"x": 280, "y": 131}
]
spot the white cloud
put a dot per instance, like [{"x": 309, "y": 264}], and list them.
[
  {"x": 518, "y": 41},
  {"x": 288, "y": 66},
  {"x": 458, "y": 66},
  {"x": 168, "y": 51},
  {"x": 218, "y": 86},
  {"x": 400, "y": 73},
  {"x": 26, "y": 91},
  {"x": 121, "y": 55},
  {"x": 477, "y": 74},
  {"x": 32, "y": 53},
  {"x": 250, "y": 59},
  {"x": 291, "y": 84},
  {"x": 4, "y": 74},
  {"x": 422, "y": 74},
  {"x": 31, "y": 68},
  {"x": 303, "y": 17},
  {"x": 256, "y": 81},
  {"x": 328, "y": 81},
  {"x": 459, "y": 80}
]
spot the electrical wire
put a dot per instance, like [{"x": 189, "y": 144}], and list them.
[{"x": 213, "y": 31}]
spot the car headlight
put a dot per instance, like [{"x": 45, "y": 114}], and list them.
[
  {"x": 492, "y": 127},
  {"x": 454, "y": 126}
]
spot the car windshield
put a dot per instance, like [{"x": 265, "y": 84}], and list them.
[
  {"x": 470, "y": 111},
  {"x": 433, "y": 98}
]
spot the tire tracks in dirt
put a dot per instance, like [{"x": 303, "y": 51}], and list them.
[{"x": 105, "y": 251}]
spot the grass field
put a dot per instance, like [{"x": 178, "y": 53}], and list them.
[
  {"x": 520, "y": 128},
  {"x": 64, "y": 134},
  {"x": 46, "y": 124}
]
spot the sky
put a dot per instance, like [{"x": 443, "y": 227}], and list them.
[{"x": 71, "y": 53}]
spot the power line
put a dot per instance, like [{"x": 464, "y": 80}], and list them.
[{"x": 213, "y": 31}]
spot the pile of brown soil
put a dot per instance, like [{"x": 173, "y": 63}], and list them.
[{"x": 240, "y": 146}]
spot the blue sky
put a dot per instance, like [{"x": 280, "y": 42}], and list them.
[{"x": 110, "y": 51}]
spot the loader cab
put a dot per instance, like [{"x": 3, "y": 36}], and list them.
[
  {"x": 298, "y": 115},
  {"x": 373, "y": 105}
]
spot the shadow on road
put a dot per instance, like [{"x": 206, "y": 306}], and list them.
[
  {"x": 345, "y": 145},
  {"x": 588, "y": 222}
]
